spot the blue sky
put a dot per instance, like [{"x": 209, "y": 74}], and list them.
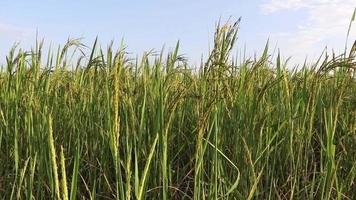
[{"x": 298, "y": 27}]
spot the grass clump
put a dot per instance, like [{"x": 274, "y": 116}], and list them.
[{"x": 155, "y": 128}]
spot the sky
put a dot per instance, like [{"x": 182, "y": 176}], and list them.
[{"x": 300, "y": 29}]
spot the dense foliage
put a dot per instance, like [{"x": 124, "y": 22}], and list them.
[{"x": 104, "y": 126}]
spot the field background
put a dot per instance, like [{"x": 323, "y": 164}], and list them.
[{"x": 106, "y": 126}]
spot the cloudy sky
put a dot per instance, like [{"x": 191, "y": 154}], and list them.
[{"x": 299, "y": 28}]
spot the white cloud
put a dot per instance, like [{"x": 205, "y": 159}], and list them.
[
  {"x": 9, "y": 34},
  {"x": 325, "y": 24},
  {"x": 15, "y": 32},
  {"x": 277, "y": 5}
]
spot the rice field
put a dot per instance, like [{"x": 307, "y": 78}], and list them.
[{"x": 104, "y": 125}]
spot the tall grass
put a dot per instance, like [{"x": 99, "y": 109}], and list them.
[{"x": 106, "y": 126}]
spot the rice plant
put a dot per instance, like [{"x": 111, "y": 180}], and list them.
[{"x": 103, "y": 125}]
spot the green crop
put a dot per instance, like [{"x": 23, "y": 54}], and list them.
[{"x": 101, "y": 125}]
